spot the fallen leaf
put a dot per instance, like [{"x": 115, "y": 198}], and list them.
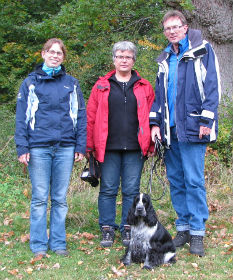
[
  {"x": 29, "y": 270},
  {"x": 80, "y": 262},
  {"x": 25, "y": 238},
  {"x": 26, "y": 193},
  {"x": 25, "y": 215},
  {"x": 119, "y": 272},
  {"x": 57, "y": 265},
  {"x": 36, "y": 259},
  {"x": 87, "y": 235},
  {"x": 13, "y": 271},
  {"x": 162, "y": 213},
  {"x": 83, "y": 242},
  {"x": 195, "y": 265},
  {"x": 21, "y": 262},
  {"x": 7, "y": 221}
]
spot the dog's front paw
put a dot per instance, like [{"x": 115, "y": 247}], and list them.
[
  {"x": 147, "y": 267},
  {"x": 125, "y": 261}
]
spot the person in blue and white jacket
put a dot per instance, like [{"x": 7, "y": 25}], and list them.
[
  {"x": 184, "y": 117},
  {"x": 50, "y": 135}
]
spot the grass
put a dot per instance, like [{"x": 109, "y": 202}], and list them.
[{"x": 87, "y": 259}]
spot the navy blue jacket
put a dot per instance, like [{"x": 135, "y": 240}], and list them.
[
  {"x": 198, "y": 93},
  {"x": 50, "y": 109}
]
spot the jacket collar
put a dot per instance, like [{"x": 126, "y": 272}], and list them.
[
  {"x": 39, "y": 71},
  {"x": 195, "y": 42},
  {"x": 104, "y": 81}
]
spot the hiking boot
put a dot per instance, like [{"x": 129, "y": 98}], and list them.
[
  {"x": 126, "y": 235},
  {"x": 40, "y": 253},
  {"x": 62, "y": 252},
  {"x": 107, "y": 236},
  {"x": 196, "y": 245},
  {"x": 181, "y": 238}
]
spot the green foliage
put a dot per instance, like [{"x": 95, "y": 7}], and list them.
[
  {"x": 88, "y": 28},
  {"x": 224, "y": 144}
]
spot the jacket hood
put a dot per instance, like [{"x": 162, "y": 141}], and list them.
[{"x": 194, "y": 38}]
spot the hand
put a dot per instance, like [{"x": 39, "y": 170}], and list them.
[
  {"x": 88, "y": 154},
  {"x": 204, "y": 130},
  {"x": 24, "y": 159},
  {"x": 78, "y": 157},
  {"x": 155, "y": 131}
]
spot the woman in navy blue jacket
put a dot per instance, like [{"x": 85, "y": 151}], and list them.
[{"x": 50, "y": 135}]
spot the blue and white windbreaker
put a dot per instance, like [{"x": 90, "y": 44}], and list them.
[
  {"x": 198, "y": 93},
  {"x": 50, "y": 109}
]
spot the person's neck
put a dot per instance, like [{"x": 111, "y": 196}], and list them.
[
  {"x": 176, "y": 47},
  {"x": 123, "y": 76}
]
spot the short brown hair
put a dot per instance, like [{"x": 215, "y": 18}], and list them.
[
  {"x": 174, "y": 13},
  {"x": 52, "y": 41}
]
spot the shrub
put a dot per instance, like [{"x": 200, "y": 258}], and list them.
[{"x": 224, "y": 144}]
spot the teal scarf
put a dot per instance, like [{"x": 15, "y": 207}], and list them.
[{"x": 50, "y": 70}]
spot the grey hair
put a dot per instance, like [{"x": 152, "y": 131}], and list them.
[{"x": 124, "y": 46}]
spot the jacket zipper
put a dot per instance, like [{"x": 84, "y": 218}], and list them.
[{"x": 124, "y": 85}]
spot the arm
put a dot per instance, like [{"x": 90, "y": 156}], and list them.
[
  {"x": 92, "y": 106},
  {"x": 155, "y": 112},
  {"x": 211, "y": 90},
  {"x": 21, "y": 133},
  {"x": 81, "y": 134}
]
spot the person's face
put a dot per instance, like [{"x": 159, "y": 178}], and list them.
[
  {"x": 54, "y": 56},
  {"x": 123, "y": 61},
  {"x": 174, "y": 30}
]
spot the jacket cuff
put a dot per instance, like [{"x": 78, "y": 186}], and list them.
[
  {"x": 206, "y": 122},
  {"x": 21, "y": 150}
]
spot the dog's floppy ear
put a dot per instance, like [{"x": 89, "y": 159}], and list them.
[
  {"x": 131, "y": 216},
  {"x": 151, "y": 218},
  {"x": 132, "y": 219}
]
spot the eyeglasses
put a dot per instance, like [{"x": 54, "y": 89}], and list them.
[
  {"x": 175, "y": 28},
  {"x": 121, "y": 57},
  {"x": 52, "y": 52}
]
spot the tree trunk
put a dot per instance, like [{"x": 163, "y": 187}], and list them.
[{"x": 214, "y": 19}]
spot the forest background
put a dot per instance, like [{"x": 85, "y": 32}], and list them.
[{"x": 89, "y": 29}]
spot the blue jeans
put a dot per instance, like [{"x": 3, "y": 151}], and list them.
[
  {"x": 127, "y": 166},
  {"x": 185, "y": 172},
  {"x": 50, "y": 169}
]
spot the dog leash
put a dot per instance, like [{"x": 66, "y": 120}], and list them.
[{"x": 159, "y": 153}]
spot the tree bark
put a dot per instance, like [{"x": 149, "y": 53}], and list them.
[{"x": 214, "y": 19}]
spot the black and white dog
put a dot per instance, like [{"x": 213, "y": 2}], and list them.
[{"x": 150, "y": 242}]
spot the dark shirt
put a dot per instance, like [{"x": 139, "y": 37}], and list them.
[{"x": 122, "y": 118}]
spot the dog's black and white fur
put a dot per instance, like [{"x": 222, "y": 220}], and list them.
[{"x": 150, "y": 242}]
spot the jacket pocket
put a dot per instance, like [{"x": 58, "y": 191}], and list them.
[{"x": 193, "y": 114}]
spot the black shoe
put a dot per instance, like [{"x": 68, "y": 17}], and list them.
[
  {"x": 107, "y": 236},
  {"x": 181, "y": 238},
  {"x": 196, "y": 245},
  {"x": 126, "y": 235}
]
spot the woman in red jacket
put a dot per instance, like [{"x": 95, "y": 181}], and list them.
[{"x": 118, "y": 134}]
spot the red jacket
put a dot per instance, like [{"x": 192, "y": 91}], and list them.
[{"x": 97, "y": 115}]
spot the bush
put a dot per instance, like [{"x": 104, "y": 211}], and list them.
[{"x": 224, "y": 144}]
